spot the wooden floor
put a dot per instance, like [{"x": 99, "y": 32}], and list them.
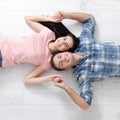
[{"x": 45, "y": 101}]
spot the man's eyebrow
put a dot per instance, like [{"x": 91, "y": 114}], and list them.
[{"x": 59, "y": 63}]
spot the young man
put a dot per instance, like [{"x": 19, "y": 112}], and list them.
[{"x": 93, "y": 60}]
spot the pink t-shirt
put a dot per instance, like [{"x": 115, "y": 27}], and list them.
[{"x": 31, "y": 49}]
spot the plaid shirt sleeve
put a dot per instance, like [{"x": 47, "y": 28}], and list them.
[
  {"x": 88, "y": 28},
  {"x": 85, "y": 88}
]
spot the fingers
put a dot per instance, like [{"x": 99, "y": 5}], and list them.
[
  {"x": 58, "y": 80},
  {"x": 56, "y": 19},
  {"x": 53, "y": 77},
  {"x": 57, "y": 76},
  {"x": 59, "y": 83},
  {"x": 58, "y": 16}
]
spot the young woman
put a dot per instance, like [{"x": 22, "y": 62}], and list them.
[{"x": 37, "y": 48}]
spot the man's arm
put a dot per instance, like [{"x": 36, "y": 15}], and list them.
[
  {"x": 60, "y": 15},
  {"x": 74, "y": 96}
]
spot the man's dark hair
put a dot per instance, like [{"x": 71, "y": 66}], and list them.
[{"x": 60, "y": 30}]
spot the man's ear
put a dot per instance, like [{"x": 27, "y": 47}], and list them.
[{"x": 68, "y": 68}]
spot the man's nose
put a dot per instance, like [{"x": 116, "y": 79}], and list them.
[{"x": 63, "y": 58}]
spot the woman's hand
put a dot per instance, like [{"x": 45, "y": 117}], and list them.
[
  {"x": 58, "y": 16},
  {"x": 53, "y": 77}
]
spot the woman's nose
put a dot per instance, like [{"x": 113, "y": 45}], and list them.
[{"x": 62, "y": 43}]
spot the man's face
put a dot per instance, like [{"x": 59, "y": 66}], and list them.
[{"x": 63, "y": 60}]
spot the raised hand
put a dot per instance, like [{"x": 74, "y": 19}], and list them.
[{"x": 58, "y": 16}]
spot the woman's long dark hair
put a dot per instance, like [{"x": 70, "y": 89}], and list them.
[{"x": 60, "y": 30}]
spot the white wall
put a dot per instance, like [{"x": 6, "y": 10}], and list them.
[{"x": 45, "y": 101}]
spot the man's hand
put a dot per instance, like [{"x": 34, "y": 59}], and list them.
[
  {"x": 59, "y": 83},
  {"x": 58, "y": 16}
]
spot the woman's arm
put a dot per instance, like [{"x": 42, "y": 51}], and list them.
[
  {"x": 34, "y": 77},
  {"x": 33, "y": 21},
  {"x": 74, "y": 96}
]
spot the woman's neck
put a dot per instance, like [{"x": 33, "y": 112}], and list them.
[{"x": 51, "y": 47}]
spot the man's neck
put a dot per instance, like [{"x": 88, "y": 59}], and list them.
[{"x": 77, "y": 58}]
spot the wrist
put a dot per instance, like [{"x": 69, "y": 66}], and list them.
[
  {"x": 48, "y": 78},
  {"x": 65, "y": 15},
  {"x": 66, "y": 88}
]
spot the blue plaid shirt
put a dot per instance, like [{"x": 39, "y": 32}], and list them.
[{"x": 101, "y": 60}]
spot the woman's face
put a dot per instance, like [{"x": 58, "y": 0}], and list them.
[{"x": 64, "y": 43}]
